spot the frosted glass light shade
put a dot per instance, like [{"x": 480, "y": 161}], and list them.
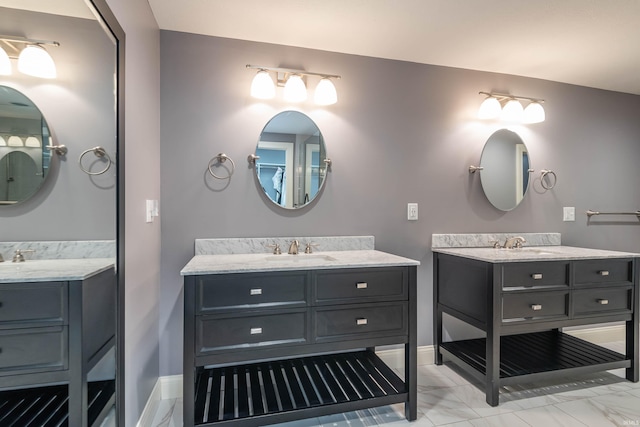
[
  {"x": 262, "y": 86},
  {"x": 35, "y": 61},
  {"x": 325, "y": 93},
  {"x": 512, "y": 112},
  {"x": 15, "y": 141},
  {"x": 32, "y": 141},
  {"x": 5, "y": 63},
  {"x": 489, "y": 109},
  {"x": 3, "y": 143},
  {"x": 534, "y": 113},
  {"x": 294, "y": 89}
]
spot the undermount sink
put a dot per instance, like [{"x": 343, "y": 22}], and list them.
[
  {"x": 300, "y": 257},
  {"x": 535, "y": 251}
]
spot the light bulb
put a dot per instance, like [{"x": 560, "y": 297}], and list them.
[
  {"x": 5, "y": 63},
  {"x": 35, "y": 61},
  {"x": 3, "y": 143},
  {"x": 534, "y": 113},
  {"x": 489, "y": 109},
  {"x": 294, "y": 89},
  {"x": 15, "y": 141},
  {"x": 262, "y": 86},
  {"x": 32, "y": 141},
  {"x": 325, "y": 92},
  {"x": 512, "y": 112}
]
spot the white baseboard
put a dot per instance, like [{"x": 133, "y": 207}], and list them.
[{"x": 170, "y": 387}]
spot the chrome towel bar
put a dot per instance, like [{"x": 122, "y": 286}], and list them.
[{"x": 591, "y": 213}]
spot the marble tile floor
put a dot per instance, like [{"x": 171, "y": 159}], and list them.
[{"x": 448, "y": 397}]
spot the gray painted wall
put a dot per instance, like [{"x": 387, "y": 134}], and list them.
[
  {"x": 142, "y": 174},
  {"x": 400, "y": 132},
  {"x": 78, "y": 107}
]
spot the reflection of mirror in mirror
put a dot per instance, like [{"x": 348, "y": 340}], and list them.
[
  {"x": 505, "y": 169},
  {"x": 24, "y": 159},
  {"x": 291, "y": 169}
]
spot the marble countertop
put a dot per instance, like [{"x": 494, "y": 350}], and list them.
[
  {"x": 53, "y": 269},
  {"x": 533, "y": 253},
  {"x": 248, "y": 263}
]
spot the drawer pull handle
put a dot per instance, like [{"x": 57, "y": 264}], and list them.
[
  {"x": 603, "y": 272},
  {"x": 536, "y": 276},
  {"x": 361, "y": 285},
  {"x": 536, "y": 307},
  {"x": 256, "y": 331},
  {"x": 257, "y": 291},
  {"x": 603, "y": 301},
  {"x": 361, "y": 321}
]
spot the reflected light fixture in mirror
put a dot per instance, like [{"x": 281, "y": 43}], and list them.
[
  {"x": 294, "y": 83},
  {"x": 33, "y": 59},
  {"x": 512, "y": 112},
  {"x": 15, "y": 141},
  {"x": 5, "y": 63},
  {"x": 3, "y": 143}
]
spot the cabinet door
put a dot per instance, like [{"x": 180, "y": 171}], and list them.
[
  {"x": 33, "y": 350},
  {"x": 33, "y": 304},
  {"x": 605, "y": 300},
  {"x": 360, "y": 321},
  {"x": 536, "y": 275},
  {"x": 535, "y": 306}
]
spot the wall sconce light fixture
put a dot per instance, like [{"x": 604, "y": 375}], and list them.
[
  {"x": 293, "y": 81},
  {"x": 491, "y": 108},
  {"x": 33, "y": 59}
]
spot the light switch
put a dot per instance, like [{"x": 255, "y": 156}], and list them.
[{"x": 569, "y": 213}]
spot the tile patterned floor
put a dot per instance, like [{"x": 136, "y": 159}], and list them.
[{"x": 446, "y": 397}]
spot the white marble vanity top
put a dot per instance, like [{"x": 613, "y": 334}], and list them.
[
  {"x": 533, "y": 253},
  {"x": 247, "y": 263},
  {"x": 53, "y": 269}
]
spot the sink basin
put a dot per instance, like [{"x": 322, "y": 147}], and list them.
[
  {"x": 538, "y": 251},
  {"x": 300, "y": 257}
]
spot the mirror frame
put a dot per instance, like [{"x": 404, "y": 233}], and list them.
[{"x": 113, "y": 27}]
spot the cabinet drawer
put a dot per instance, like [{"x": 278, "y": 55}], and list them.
[
  {"x": 33, "y": 304},
  {"x": 360, "y": 321},
  {"x": 258, "y": 329},
  {"x": 535, "y": 305},
  {"x": 33, "y": 350},
  {"x": 230, "y": 292},
  {"x": 360, "y": 285},
  {"x": 603, "y": 271},
  {"x": 607, "y": 300},
  {"x": 535, "y": 274}
]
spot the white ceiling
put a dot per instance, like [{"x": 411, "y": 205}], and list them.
[{"x": 591, "y": 43}]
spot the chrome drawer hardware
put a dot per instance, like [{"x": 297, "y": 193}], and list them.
[
  {"x": 603, "y": 272},
  {"x": 361, "y": 285},
  {"x": 536, "y": 276},
  {"x": 536, "y": 307},
  {"x": 603, "y": 301},
  {"x": 361, "y": 321},
  {"x": 256, "y": 331},
  {"x": 257, "y": 291}
]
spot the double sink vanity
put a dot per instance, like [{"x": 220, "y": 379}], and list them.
[
  {"x": 57, "y": 323},
  {"x": 522, "y": 298}
]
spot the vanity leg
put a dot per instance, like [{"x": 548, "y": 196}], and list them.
[
  {"x": 437, "y": 314},
  {"x": 411, "y": 351},
  {"x": 492, "y": 351},
  {"x": 632, "y": 332},
  {"x": 188, "y": 372}
]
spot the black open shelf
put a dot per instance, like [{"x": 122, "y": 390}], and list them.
[
  {"x": 535, "y": 353},
  {"x": 49, "y": 406},
  {"x": 276, "y": 387}
]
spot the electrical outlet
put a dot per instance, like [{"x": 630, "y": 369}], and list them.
[
  {"x": 412, "y": 211},
  {"x": 568, "y": 214}
]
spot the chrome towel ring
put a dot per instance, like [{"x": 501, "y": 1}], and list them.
[
  {"x": 221, "y": 158},
  {"x": 548, "y": 173},
  {"x": 100, "y": 153}
]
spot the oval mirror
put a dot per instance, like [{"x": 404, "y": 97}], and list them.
[
  {"x": 291, "y": 167},
  {"x": 505, "y": 169},
  {"x": 24, "y": 158}
]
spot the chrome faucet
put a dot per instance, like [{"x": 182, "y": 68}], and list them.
[
  {"x": 514, "y": 242},
  {"x": 293, "y": 249},
  {"x": 19, "y": 257}
]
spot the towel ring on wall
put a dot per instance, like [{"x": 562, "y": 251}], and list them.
[
  {"x": 100, "y": 153},
  {"x": 221, "y": 158},
  {"x": 547, "y": 173}
]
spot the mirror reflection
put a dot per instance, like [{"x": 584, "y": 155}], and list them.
[
  {"x": 505, "y": 169},
  {"x": 291, "y": 168},
  {"x": 24, "y": 134}
]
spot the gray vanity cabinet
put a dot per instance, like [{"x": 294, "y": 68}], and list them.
[
  {"x": 51, "y": 335},
  {"x": 523, "y": 306},
  {"x": 268, "y": 347}
]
